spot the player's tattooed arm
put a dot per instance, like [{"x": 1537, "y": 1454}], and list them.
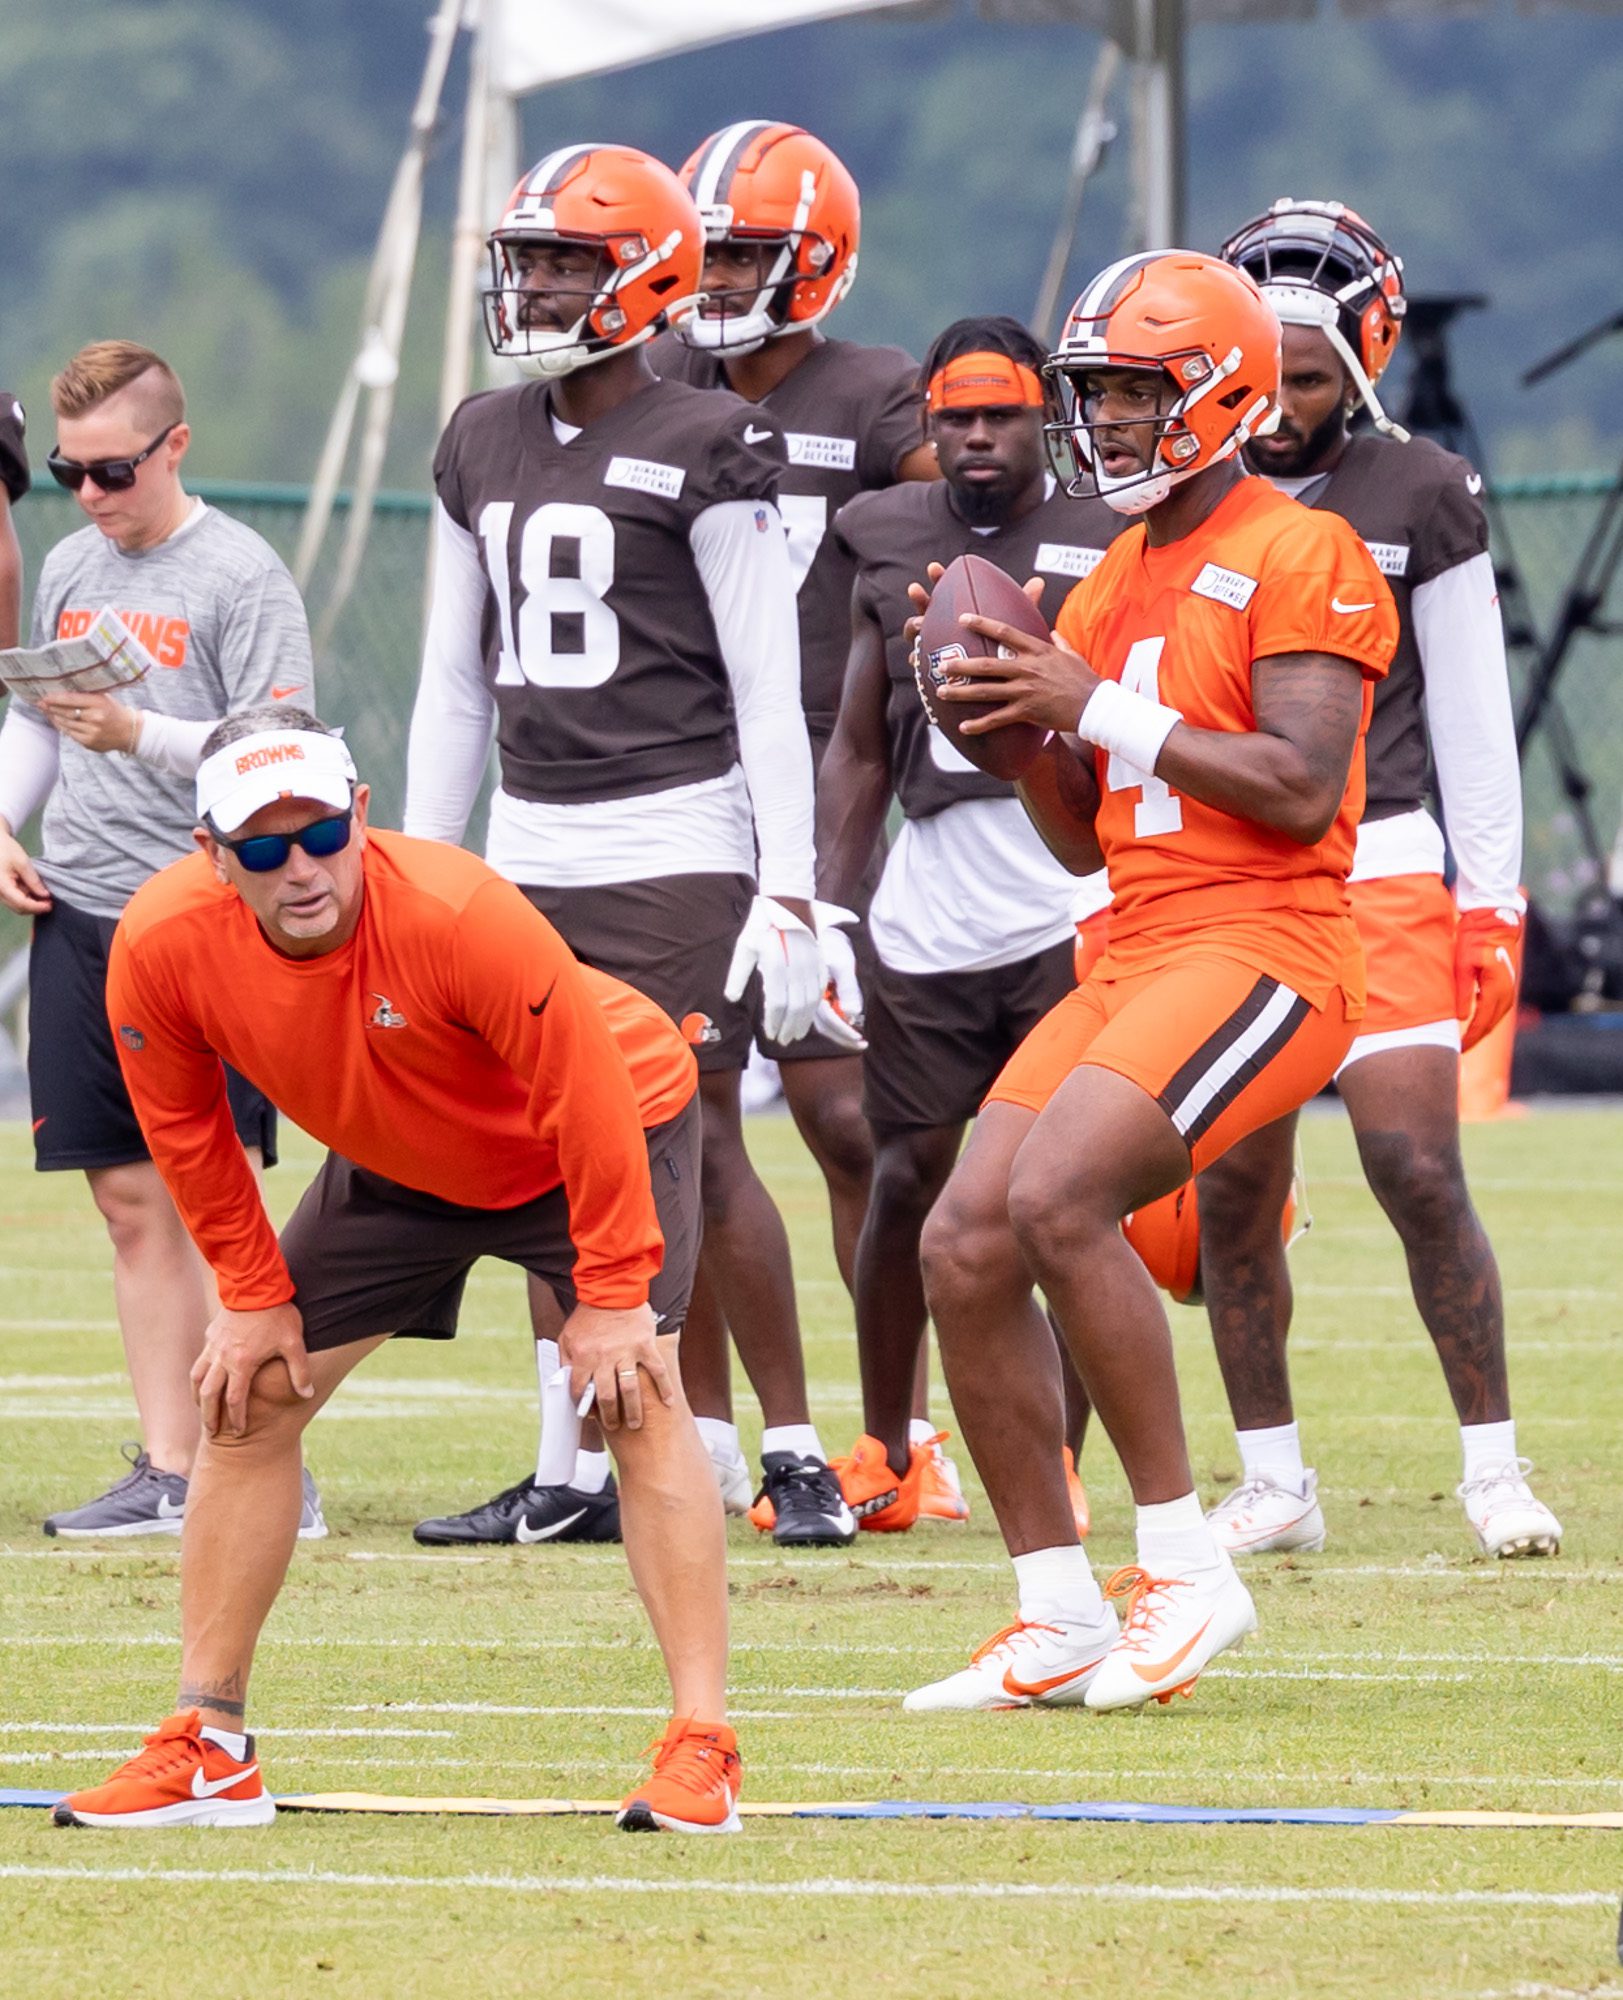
[
  {"x": 1290, "y": 772},
  {"x": 1060, "y": 793},
  {"x": 853, "y": 787}
]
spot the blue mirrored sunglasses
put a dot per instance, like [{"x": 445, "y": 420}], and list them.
[{"x": 264, "y": 853}]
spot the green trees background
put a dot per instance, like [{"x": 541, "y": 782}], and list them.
[{"x": 207, "y": 175}]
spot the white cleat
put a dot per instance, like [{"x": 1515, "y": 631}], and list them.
[
  {"x": 1025, "y": 1666},
  {"x": 1260, "y": 1517},
  {"x": 1176, "y": 1626},
  {"x": 1505, "y": 1515},
  {"x": 733, "y": 1477}
]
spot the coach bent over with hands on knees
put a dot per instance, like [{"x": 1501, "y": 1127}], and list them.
[{"x": 381, "y": 988}]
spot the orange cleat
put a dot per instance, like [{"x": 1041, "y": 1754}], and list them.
[
  {"x": 694, "y": 1785},
  {"x": 881, "y": 1500},
  {"x": 179, "y": 1778},
  {"x": 941, "y": 1493},
  {"x": 1079, "y": 1497}
]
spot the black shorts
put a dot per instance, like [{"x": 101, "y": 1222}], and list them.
[
  {"x": 82, "y": 1112},
  {"x": 369, "y": 1256},
  {"x": 671, "y": 938},
  {"x": 937, "y": 1040}
]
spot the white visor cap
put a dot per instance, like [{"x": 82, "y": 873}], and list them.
[{"x": 256, "y": 771}]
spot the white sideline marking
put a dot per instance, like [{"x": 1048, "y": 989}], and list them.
[
  {"x": 143, "y": 1729},
  {"x": 500, "y": 1708},
  {"x": 592, "y": 1885}
]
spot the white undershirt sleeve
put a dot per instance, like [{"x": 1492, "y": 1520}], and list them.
[
  {"x": 744, "y": 567},
  {"x": 170, "y": 743},
  {"x": 1473, "y": 734},
  {"x": 30, "y": 757},
  {"x": 454, "y": 718}
]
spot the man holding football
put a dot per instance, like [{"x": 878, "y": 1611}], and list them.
[{"x": 1214, "y": 674}]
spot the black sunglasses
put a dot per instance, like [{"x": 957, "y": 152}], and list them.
[
  {"x": 112, "y": 475},
  {"x": 264, "y": 853}
]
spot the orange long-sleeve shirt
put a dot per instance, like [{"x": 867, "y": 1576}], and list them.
[{"x": 453, "y": 1044}]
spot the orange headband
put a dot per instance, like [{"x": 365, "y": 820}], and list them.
[{"x": 982, "y": 381}]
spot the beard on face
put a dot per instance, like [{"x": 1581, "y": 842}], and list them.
[
  {"x": 982, "y": 505},
  {"x": 1296, "y": 461}
]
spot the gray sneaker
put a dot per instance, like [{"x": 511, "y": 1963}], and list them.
[
  {"x": 144, "y": 1502},
  {"x": 312, "y": 1522}
]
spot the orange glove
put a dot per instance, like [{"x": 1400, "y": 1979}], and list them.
[
  {"x": 1092, "y": 935},
  {"x": 1487, "y": 966}
]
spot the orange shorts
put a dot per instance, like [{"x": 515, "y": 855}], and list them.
[
  {"x": 1407, "y": 924},
  {"x": 1222, "y": 1048}
]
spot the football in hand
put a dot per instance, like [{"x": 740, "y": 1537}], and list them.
[{"x": 948, "y": 652}]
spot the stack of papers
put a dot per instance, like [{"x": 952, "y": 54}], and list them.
[{"x": 104, "y": 657}]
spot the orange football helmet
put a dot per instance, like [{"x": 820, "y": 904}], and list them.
[
  {"x": 1319, "y": 263},
  {"x": 1199, "y": 322},
  {"x": 650, "y": 246},
  {"x": 774, "y": 185},
  {"x": 1166, "y": 1235}
]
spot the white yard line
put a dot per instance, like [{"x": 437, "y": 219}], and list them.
[
  {"x": 144, "y": 1728},
  {"x": 835, "y": 1886}
]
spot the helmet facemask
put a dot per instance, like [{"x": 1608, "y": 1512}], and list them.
[{"x": 599, "y": 329}]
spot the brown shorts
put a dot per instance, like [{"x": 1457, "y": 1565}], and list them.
[
  {"x": 937, "y": 1040},
  {"x": 369, "y": 1256},
  {"x": 672, "y": 938}
]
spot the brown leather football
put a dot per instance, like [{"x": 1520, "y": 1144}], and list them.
[{"x": 948, "y": 651}]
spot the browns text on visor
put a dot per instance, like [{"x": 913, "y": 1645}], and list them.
[{"x": 255, "y": 771}]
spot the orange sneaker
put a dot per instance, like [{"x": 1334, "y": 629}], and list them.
[
  {"x": 881, "y": 1500},
  {"x": 178, "y": 1779},
  {"x": 941, "y": 1493},
  {"x": 1079, "y": 1497},
  {"x": 694, "y": 1786}
]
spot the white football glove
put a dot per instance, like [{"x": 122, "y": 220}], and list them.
[
  {"x": 839, "y": 1012},
  {"x": 775, "y": 943}
]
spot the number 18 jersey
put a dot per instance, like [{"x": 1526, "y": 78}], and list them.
[
  {"x": 1182, "y": 624},
  {"x": 598, "y": 641}
]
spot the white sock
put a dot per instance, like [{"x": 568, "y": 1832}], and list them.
[
  {"x": 548, "y": 1361},
  {"x": 591, "y": 1472},
  {"x": 801, "y": 1439},
  {"x": 720, "y": 1437},
  {"x": 1173, "y": 1535},
  {"x": 232, "y": 1741},
  {"x": 1057, "y": 1587},
  {"x": 920, "y": 1430},
  {"x": 1274, "y": 1455},
  {"x": 1487, "y": 1446}
]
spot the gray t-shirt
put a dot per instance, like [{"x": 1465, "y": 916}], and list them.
[{"x": 216, "y": 609}]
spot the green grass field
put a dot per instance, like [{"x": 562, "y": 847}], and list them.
[{"x": 1396, "y": 1669}]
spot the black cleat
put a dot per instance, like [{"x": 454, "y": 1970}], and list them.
[
  {"x": 529, "y": 1513},
  {"x": 807, "y": 1501}
]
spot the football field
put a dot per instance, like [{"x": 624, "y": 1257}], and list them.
[{"x": 1396, "y": 1669}]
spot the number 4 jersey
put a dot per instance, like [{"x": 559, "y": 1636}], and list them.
[{"x": 1182, "y": 624}]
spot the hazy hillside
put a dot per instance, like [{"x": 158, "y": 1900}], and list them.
[{"x": 207, "y": 175}]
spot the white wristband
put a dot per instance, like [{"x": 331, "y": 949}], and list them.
[{"x": 1128, "y": 725}]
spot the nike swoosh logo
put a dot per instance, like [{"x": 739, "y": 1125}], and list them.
[
  {"x": 205, "y": 1788},
  {"x": 1346, "y": 609},
  {"x": 1172, "y": 1664},
  {"x": 525, "y": 1533},
  {"x": 541, "y": 1006},
  {"x": 754, "y": 436},
  {"x": 281, "y": 694},
  {"x": 1473, "y": 482},
  {"x": 1032, "y": 1689},
  {"x": 168, "y": 1511}
]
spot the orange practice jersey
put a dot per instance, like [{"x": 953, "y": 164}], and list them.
[
  {"x": 1182, "y": 624},
  {"x": 453, "y": 1044}
]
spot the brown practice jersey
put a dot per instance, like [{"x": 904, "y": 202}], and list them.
[
  {"x": 850, "y": 415},
  {"x": 14, "y": 475},
  {"x": 1418, "y": 510},
  {"x": 889, "y": 538},
  {"x": 598, "y": 644}
]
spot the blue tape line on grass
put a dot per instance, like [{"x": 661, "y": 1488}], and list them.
[{"x": 1136, "y": 1813}]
